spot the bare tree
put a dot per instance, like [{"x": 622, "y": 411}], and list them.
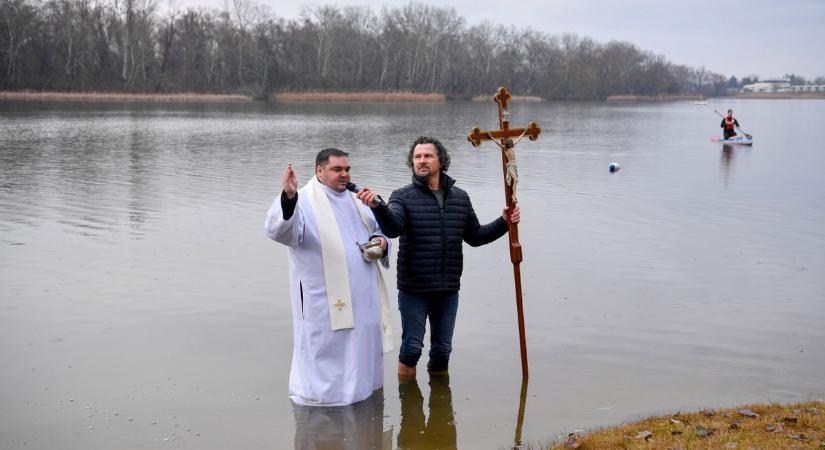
[
  {"x": 244, "y": 48},
  {"x": 18, "y": 21}
]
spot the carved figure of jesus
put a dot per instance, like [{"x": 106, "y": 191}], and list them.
[{"x": 510, "y": 167}]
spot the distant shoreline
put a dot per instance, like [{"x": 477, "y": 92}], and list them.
[
  {"x": 191, "y": 97},
  {"x": 515, "y": 98},
  {"x": 392, "y": 97},
  {"x": 649, "y": 98},
  {"x": 756, "y": 95},
  {"x": 344, "y": 97},
  {"x": 184, "y": 97},
  {"x": 782, "y": 95}
]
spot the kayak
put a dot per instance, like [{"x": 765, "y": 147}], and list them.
[{"x": 738, "y": 140}]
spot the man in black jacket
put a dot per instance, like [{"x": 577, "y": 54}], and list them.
[{"x": 433, "y": 217}]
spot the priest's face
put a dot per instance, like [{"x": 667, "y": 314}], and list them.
[
  {"x": 335, "y": 174},
  {"x": 425, "y": 160}
]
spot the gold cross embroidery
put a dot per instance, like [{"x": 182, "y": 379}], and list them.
[{"x": 339, "y": 304}]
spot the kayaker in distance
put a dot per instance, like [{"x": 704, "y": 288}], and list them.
[{"x": 729, "y": 123}]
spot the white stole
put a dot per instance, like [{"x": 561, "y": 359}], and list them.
[{"x": 339, "y": 295}]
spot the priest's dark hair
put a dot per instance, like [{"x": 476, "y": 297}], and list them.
[
  {"x": 443, "y": 156},
  {"x": 322, "y": 158}
]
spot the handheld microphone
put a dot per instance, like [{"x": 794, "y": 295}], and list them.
[{"x": 352, "y": 187}]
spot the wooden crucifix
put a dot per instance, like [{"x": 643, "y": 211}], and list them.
[{"x": 504, "y": 138}]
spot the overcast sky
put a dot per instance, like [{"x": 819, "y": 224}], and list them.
[{"x": 733, "y": 37}]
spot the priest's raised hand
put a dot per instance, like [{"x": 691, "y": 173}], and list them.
[{"x": 290, "y": 182}]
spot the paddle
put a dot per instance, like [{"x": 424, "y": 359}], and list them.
[{"x": 737, "y": 127}]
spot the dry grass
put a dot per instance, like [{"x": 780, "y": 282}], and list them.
[
  {"x": 794, "y": 426},
  {"x": 401, "y": 97},
  {"x": 517, "y": 98},
  {"x": 649, "y": 98},
  {"x": 119, "y": 97}
]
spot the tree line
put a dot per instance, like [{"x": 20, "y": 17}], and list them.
[{"x": 133, "y": 46}]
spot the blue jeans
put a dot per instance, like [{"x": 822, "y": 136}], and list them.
[{"x": 441, "y": 308}]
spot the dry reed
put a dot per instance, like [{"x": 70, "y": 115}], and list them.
[
  {"x": 649, "y": 98},
  {"x": 357, "y": 97},
  {"x": 120, "y": 97}
]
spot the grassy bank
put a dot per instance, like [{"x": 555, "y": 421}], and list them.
[
  {"x": 763, "y": 427},
  {"x": 398, "y": 97},
  {"x": 120, "y": 97}
]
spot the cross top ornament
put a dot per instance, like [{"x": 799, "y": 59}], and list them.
[{"x": 502, "y": 98}]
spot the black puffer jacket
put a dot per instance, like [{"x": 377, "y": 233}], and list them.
[{"x": 429, "y": 257}]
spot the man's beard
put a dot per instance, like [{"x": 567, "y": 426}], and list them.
[{"x": 424, "y": 172}]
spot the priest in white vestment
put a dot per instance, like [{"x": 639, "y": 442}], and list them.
[{"x": 340, "y": 310}]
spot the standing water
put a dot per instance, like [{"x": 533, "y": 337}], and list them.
[{"x": 142, "y": 305}]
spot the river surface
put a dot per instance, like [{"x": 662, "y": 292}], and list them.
[{"x": 141, "y": 305}]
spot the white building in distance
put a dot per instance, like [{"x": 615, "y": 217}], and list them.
[
  {"x": 781, "y": 86},
  {"x": 768, "y": 86}
]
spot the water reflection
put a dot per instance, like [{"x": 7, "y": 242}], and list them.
[
  {"x": 139, "y": 185},
  {"x": 358, "y": 426},
  {"x": 438, "y": 430},
  {"x": 361, "y": 425},
  {"x": 520, "y": 420},
  {"x": 727, "y": 162},
  {"x": 727, "y": 159}
]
